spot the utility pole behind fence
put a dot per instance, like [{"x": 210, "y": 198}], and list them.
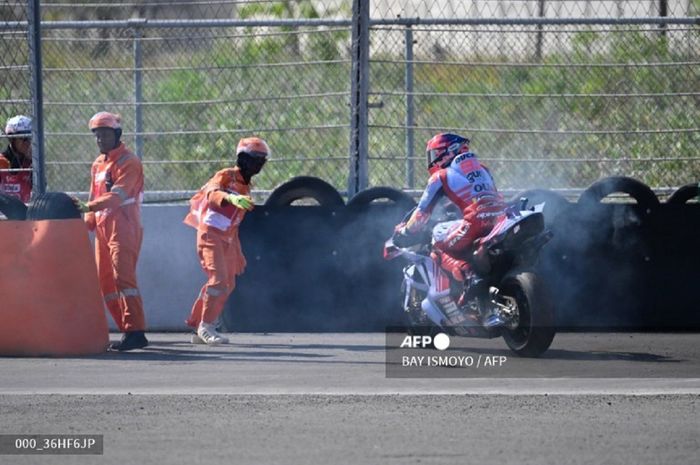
[
  {"x": 409, "y": 108},
  {"x": 38, "y": 165},
  {"x": 359, "y": 92},
  {"x": 540, "y": 34},
  {"x": 663, "y": 12},
  {"x": 138, "y": 91}
]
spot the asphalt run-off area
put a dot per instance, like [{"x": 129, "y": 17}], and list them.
[{"x": 327, "y": 398}]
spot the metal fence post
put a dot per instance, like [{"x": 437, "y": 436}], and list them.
[
  {"x": 663, "y": 12},
  {"x": 359, "y": 91},
  {"x": 540, "y": 34},
  {"x": 138, "y": 91},
  {"x": 39, "y": 173},
  {"x": 409, "y": 107}
]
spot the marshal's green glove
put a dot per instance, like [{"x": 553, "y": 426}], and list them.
[
  {"x": 80, "y": 205},
  {"x": 243, "y": 202}
]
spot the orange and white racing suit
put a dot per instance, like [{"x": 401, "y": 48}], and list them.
[
  {"x": 218, "y": 246},
  {"x": 469, "y": 185},
  {"x": 115, "y": 199}
]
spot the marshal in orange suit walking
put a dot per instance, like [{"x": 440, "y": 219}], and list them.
[
  {"x": 113, "y": 211},
  {"x": 216, "y": 211}
]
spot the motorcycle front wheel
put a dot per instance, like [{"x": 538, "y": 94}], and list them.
[{"x": 536, "y": 322}]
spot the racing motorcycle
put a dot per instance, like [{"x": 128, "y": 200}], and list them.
[{"x": 504, "y": 296}]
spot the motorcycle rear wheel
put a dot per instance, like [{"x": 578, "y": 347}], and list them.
[{"x": 536, "y": 328}]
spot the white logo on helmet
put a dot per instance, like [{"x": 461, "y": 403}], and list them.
[
  {"x": 454, "y": 147},
  {"x": 18, "y": 124}
]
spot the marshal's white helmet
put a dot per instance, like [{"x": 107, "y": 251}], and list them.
[{"x": 17, "y": 125}]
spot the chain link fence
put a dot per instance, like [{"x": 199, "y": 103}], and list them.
[
  {"x": 452, "y": 9},
  {"x": 554, "y": 94},
  {"x": 547, "y": 102},
  {"x": 188, "y": 91},
  {"x": 15, "y": 74},
  {"x": 591, "y": 101}
]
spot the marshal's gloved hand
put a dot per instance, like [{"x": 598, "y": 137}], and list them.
[
  {"x": 80, "y": 205},
  {"x": 243, "y": 202}
]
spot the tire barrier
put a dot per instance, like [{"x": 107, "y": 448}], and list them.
[
  {"x": 639, "y": 191},
  {"x": 685, "y": 194},
  {"x": 12, "y": 208},
  {"x": 52, "y": 206},
  {"x": 618, "y": 227},
  {"x": 303, "y": 187},
  {"x": 554, "y": 203},
  {"x": 316, "y": 268},
  {"x": 322, "y": 269},
  {"x": 373, "y": 194},
  {"x": 51, "y": 303},
  {"x": 600, "y": 262},
  {"x": 316, "y": 262}
]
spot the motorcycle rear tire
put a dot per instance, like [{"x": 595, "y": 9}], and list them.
[{"x": 536, "y": 330}]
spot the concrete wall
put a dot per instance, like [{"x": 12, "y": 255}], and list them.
[{"x": 168, "y": 272}]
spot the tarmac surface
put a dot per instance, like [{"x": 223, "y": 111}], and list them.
[{"x": 326, "y": 399}]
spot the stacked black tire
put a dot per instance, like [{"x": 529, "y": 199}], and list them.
[
  {"x": 12, "y": 208},
  {"x": 46, "y": 206}
]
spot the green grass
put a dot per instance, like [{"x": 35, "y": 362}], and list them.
[{"x": 232, "y": 71}]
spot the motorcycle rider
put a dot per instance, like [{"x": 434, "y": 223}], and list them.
[{"x": 457, "y": 174}]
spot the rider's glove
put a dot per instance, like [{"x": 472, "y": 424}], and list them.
[
  {"x": 402, "y": 237},
  {"x": 243, "y": 202},
  {"x": 80, "y": 205}
]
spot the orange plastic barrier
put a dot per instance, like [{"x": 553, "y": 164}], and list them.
[{"x": 50, "y": 303}]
